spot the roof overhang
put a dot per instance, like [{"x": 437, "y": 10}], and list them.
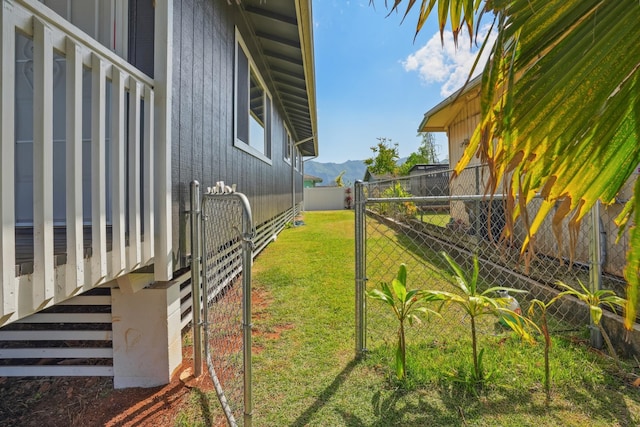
[
  {"x": 283, "y": 30},
  {"x": 439, "y": 117}
]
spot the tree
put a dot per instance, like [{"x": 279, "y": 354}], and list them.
[
  {"x": 426, "y": 154},
  {"x": 386, "y": 156},
  {"x": 427, "y": 148},
  {"x": 476, "y": 303},
  {"x": 595, "y": 300},
  {"x": 560, "y": 106},
  {"x": 407, "y": 305}
]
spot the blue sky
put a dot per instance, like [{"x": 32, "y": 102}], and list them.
[{"x": 373, "y": 80}]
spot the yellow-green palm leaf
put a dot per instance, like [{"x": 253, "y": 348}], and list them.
[{"x": 561, "y": 108}]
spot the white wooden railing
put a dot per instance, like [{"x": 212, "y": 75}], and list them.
[{"x": 21, "y": 295}]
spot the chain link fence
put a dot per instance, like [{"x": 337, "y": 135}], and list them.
[
  {"x": 227, "y": 243},
  {"x": 412, "y": 219}
]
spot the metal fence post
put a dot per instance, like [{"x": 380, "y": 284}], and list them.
[
  {"x": 477, "y": 223},
  {"x": 247, "y": 259},
  {"x": 595, "y": 267},
  {"x": 196, "y": 264},
  {"x": 360, "y": 272}
]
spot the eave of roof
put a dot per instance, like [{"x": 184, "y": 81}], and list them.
[
  {"x": 429, "y": 166},
  {"x": 284, "y": 32},
  {"x": 312, "y": 178},
  {"x": 438, "y": 118}
]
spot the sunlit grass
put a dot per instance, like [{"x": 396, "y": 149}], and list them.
[
  {"x": 305, "y": 372},
  {"x": 441, "y": 219}
]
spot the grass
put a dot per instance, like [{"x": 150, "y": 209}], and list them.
[
  {"x": 197, "y": 412},
  {"x": 305, "y": 372},
  {"x": 441, "y": 219}
]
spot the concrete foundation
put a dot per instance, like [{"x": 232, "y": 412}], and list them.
[{"x": 147, "y": 345}]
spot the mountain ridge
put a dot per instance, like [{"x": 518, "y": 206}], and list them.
[{"x": 353, "y": 171}]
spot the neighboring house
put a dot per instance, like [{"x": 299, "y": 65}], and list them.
[
  {"x": 429, "y": 180},
  {"x": 378, "y": 183},
  {"x": 458, "y": 116},
  {"x": 109, "y": 110},
  {"x": 372, "y": 177},
  {"x": 310, "y": 181}
]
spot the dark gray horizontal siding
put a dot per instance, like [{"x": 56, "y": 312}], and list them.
[{"x": 202, "y": 130}]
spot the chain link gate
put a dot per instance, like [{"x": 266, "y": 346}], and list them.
[
  {"x": 222, "y": 230},
  {"x": 411, "y": 219}
]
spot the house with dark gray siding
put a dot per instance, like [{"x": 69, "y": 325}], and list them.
[{"x": 110, "y": 109}]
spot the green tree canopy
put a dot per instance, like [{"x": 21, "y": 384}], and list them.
[
  {"x": 385, "y": 157},
  {"x": 560, "y": 106},
  {"x": 426, "y": 154}
]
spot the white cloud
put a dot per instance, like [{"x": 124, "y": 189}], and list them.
[{"x": 447, "y": 64}]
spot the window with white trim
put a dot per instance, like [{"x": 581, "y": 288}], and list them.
[
  {"x": 298, "y": 159},
  {"x": 252, "y": 123},
  {"x": 287, "y": 142}
]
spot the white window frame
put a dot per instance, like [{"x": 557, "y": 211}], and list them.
[
  {"x": 288, "y": 146},
  {"x": 297, "y": 159},
  {"x": 247, "y": 146}
]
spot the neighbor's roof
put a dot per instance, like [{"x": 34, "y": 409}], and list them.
[
  {"x": 284, "y": 31},
  {"x": 429, "y": 167},
  {"x": 370, "y": 177},
  {"x": 312, "y": 178},
  {"x": 439, "y": 117}
]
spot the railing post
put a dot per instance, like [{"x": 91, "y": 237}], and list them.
[
  {"x": 98, "y": 171},
  {"x": 43, "y": 288},
  {"x": 196, "y": 262},
  {"x": 360, "y": 255},
  {"x": 8, "y": 297},
  {"x": 73, "y": 167},
  {"x": 595, "y": 267}
]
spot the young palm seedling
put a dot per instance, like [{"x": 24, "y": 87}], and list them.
[
  {"x": 476, "y": 303},
  {"x": 594, "y": 300},
  {"x": 543, "y": 327},
  {"x": 407, "y": 305}
]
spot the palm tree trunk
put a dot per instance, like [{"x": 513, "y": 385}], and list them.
[
  {"x": 403, "y": 352},
  {"x": 474, "y": 345},
  {"x": 547, "y": 346},
  {"x": 610, "y": 346}
]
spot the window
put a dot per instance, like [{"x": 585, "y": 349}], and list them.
[
  {"x": 298, "y": 159},
  {"x": 286, "y": 145},
  {"x": 105, "y": 21},
  {"x": 252, "y": 107}
]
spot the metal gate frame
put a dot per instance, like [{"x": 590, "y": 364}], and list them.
[{"x": 221, "y": 194}]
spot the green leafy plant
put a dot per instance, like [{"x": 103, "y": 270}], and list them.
[
  {"x": 542, "y": 307},
  {"x": 385, "y": 157},
  {"x": 407, "y": 305},
  {"x": 476, "y": 303},
  {"x": 594, "y": 299},
  {"x": 408, "y": 209}
]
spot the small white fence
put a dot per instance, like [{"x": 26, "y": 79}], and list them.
[{"x": 327, "y": 198}]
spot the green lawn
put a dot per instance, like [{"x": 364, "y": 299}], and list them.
[{"x": 305, "y": 372}]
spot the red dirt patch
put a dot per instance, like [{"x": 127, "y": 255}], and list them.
[
  {"x": 83, "y": 401},
  {"x": 71, "y": 402}
]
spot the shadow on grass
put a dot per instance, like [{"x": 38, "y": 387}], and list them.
[
  {"x": 205, "y": 406},
  {"x": 326, "y": 394},
  {"x": 400, "y": 407},
  {"x": 608, "y": 402},
  {"x": 451, "y": 404}
]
